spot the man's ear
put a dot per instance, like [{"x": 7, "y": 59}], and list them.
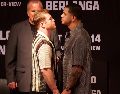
[
  {"x": 42, "y": 24},
  {"x": 27, "y": 13},
  {"x": 73, "y": 18}
]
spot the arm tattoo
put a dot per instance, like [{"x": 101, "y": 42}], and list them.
[{"x": 73, "y": 77}]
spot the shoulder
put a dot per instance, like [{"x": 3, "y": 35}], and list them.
[
  {"x": 20, "y": 26},
  {"x": 46, "y": 43},
  {"x": 21, "y": 23},
  {"x": 45, "y": 48},
  {"x": 83, "y": 34},
  {"x": 82, "y": 37}
]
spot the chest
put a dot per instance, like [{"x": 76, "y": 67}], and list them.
[{"x": 69, "y": 45}]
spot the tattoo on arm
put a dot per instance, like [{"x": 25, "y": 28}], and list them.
[{"x": 73, "y": 77}]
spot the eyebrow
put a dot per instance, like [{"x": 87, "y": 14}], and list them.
[
  {"x": 64, "y": 12},
  {"x": 50, "y": 18},
  {"x": 35, "y": 10}
]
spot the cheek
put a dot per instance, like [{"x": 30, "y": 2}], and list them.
[
  {"x": 31, "y": 14},
  {"x": 53, "y": 23},
  {"x": 65, "y": 19}
]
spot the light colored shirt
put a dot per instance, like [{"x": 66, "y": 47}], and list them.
[
  {"x": 45, "y": 55},
  {"x": 41, "y": 58}
]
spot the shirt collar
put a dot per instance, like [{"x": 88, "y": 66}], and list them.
[
  {"x": 77, "y": 29},
  {"x": 43, "y": 34}
]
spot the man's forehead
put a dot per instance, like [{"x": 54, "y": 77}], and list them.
[
  {"x": 66, "y": 10},
  {"x": 35, "y": 6},
  {"x": 35, "y": 9}
]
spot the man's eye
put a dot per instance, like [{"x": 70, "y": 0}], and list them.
[
  {"x": 33, "y": 10},
  {"x": 50, "y": 19}
]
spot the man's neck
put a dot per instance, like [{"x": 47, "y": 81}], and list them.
[
  {"x": 46, "y": 32},
  {"x": 73, "y": 25}
]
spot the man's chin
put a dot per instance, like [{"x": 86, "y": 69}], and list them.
[
  {"x": 53, "y": 28},
  {"x": 62, "y": 22}
]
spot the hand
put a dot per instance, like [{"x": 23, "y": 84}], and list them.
[
  {"x": 12, "y": 85},
  {"x": 66, "y": 91},
  {"x": 58, "y": 59},
  {"x": 58, "y": 56}
]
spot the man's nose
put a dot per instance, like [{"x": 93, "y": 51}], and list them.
[{"x": 61, "y": 15}]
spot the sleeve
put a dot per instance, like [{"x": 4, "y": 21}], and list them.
[
  {"x": 45, "y": 55},
  {"x": 79, "y": 51},
  {"x": 10, "y": 55}
]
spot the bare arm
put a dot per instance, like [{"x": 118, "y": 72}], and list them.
[
  {"x": 45, "y": 66},
  {"x": 49, "y": 79},
  {"x": 72, "y": 79},
  {"x": 74, "y": 76}
]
